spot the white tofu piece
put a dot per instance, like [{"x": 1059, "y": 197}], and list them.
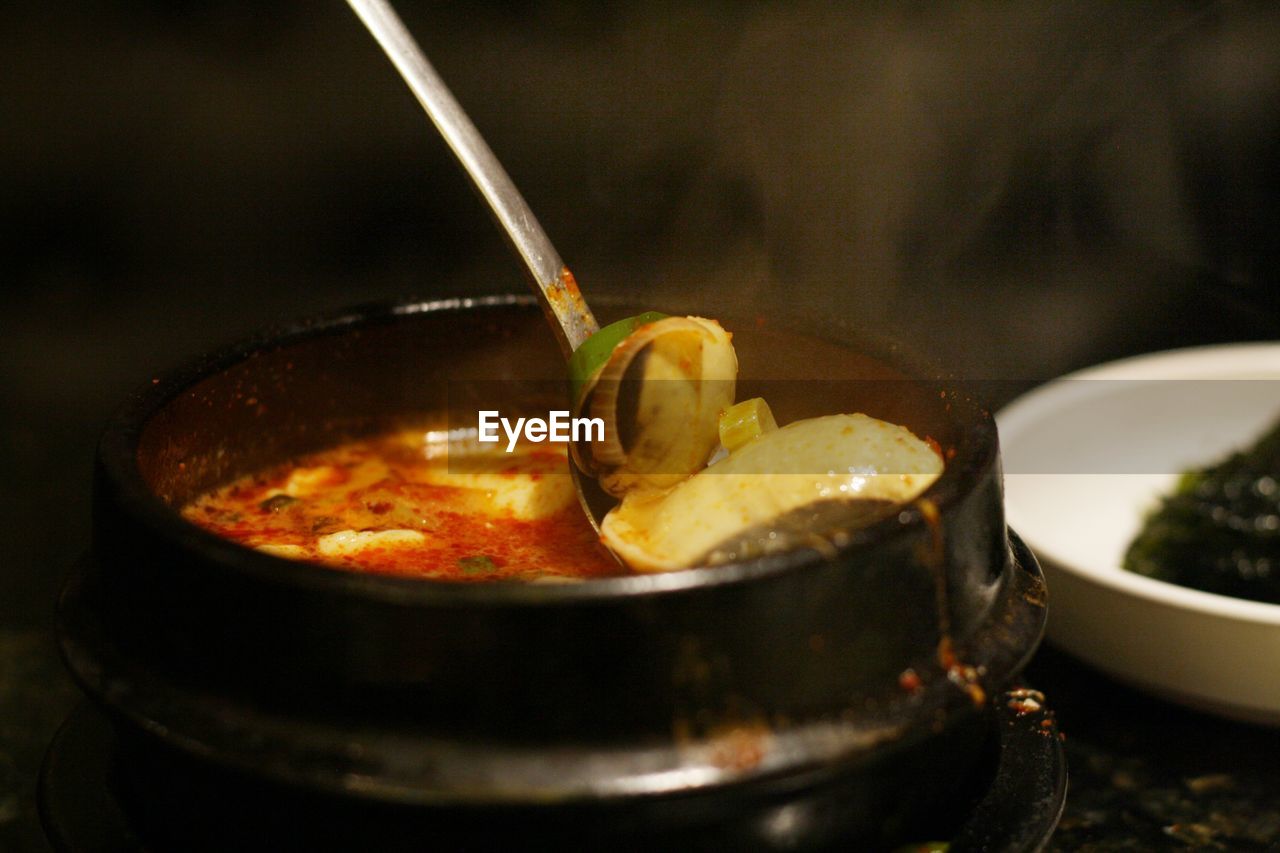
[
  {"x": 520, "y": 485},
  {"x": 306, "y": 481},
  {"x": 289, "y": 552},
  {"x": 348, "y": 543},
  {"x": 842, "y": 457}
]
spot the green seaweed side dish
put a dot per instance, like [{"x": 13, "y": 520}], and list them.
[{"x": 1220, "y": 529}]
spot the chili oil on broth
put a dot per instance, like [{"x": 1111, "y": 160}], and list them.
[{"x": 416, "y": 503}]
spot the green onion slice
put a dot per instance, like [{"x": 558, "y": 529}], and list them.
[
  {"x": 477, "y": 565},
  {"x": 587, "y": 359}
]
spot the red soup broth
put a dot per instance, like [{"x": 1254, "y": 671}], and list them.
[{"x": 416, "y": 504}]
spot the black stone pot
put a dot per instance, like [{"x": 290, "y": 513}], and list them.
[{"x": 686, "y": 709}]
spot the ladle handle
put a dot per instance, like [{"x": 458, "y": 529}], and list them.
[{"x": 571, "y": 319}]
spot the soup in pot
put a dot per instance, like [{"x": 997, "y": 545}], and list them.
[
  {"x": 700, "y": 480},
  {"x": 416, "y": 504}
]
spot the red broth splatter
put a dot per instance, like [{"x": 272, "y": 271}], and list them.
[{"x": 408, "y": 504}]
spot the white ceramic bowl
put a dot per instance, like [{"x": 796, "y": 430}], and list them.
[{"x": 1086, "y": 457}]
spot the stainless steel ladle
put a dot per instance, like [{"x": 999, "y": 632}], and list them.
[{"x": 570, "y": 318}]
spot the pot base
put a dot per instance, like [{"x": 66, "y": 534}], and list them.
[{"x": 90, "y": 803}]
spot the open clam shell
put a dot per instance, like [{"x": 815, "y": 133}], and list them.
[{"x": 660, "y": 396}]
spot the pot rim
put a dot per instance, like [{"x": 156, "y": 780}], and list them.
[{"x": 119, "y": 444}]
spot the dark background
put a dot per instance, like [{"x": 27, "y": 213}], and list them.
[{"x": 1016, "y": 189}]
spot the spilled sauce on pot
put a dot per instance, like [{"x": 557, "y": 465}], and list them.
[{"x": 964, "y": 676}]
